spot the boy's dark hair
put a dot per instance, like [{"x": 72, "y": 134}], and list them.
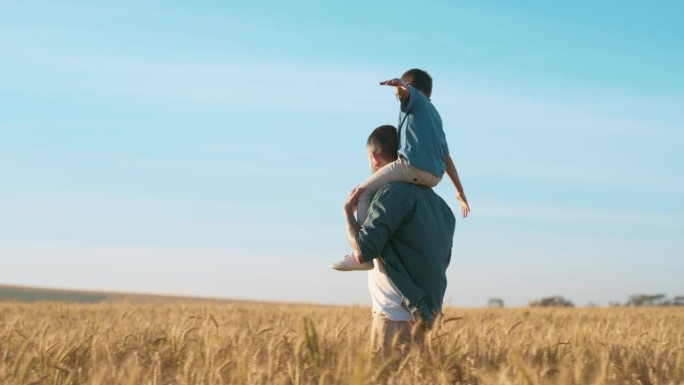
[
  {"x": 383, "y": 141},
  {"x": 419, "y": 79}
]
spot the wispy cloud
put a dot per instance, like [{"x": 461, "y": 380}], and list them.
[
  {"x": 579, "y": 175},
  {"x": 560, "y": 110},
  {"x": 237, "y": 81},
  {"x": 542, "y": 213}
]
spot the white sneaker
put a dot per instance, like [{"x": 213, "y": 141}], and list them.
[{"x": 349, "y": 263}]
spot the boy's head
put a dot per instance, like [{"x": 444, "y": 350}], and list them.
[
  {"x": 382, "y": 147},
  {"x": 420, "y": 79}
]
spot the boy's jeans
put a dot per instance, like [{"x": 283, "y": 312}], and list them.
[{"x": 397, "y": 171}]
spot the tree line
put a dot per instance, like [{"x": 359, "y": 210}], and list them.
[{"x": 636, "y": 300}]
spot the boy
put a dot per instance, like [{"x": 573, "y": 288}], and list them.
[{"x": 423, "y": 151}]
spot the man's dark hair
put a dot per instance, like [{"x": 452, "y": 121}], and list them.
[
  {"x": 419, "y": 79},
  {"x": 383, "y": 141}
]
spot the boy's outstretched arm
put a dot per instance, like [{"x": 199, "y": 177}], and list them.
[
  {"x": 460, "y": 194},
  {"x": 400, "y": 87}
]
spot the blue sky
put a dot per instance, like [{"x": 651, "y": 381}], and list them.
[{"x": 207, "y": 148}]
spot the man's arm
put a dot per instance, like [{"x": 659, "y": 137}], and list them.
[
  {"x": 389, "y": 207},
  {"x": 460, "y": 194},
  {"x": 351, "y": 223}
]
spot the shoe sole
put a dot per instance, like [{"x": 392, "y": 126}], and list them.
[{"x": 352, "y": 268}]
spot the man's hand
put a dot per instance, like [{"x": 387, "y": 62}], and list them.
[
  {"x": 401, "y": 87},
  {"x": 465, "y": 209},
  {"x": 352, "y": 225},
  {"x": 353, "y": 199}
]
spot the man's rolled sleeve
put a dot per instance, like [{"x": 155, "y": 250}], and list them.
[{"x": 384, "y": 216}]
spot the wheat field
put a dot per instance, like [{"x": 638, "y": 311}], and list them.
[{"x": 244, "y": 343}]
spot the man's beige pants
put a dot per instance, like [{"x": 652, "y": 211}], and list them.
[{"x": 389, "y": 336}]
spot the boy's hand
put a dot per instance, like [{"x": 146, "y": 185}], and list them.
[
  {"x": 401, "y": 87},
  {"x": 465, "y": 209},
  {"x": 394, "y": 83}
]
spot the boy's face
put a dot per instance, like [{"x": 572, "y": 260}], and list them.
[
  {"x": 396, "y": 93},
  {"x": 406, "y": 81}
]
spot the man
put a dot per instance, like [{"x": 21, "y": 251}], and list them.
[{"x": 408, "y": 233}]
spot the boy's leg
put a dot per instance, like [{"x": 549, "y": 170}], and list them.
[
  {"x": 392, "y": 172},
  {"x": 417, "y": 176},
  {"x": 397, "y": 171}
]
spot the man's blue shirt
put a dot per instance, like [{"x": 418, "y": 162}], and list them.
[{"x": 411, "y": 228}]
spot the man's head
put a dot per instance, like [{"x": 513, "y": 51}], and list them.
[
  {"x": 420, "y": 79},
  {"x": 382, "y": 147}
]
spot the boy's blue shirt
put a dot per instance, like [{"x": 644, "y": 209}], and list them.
[{"x": 421, "y": 138}]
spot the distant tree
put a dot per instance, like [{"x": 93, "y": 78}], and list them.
[
  {"x": 637, "y": 300},
  {"x": 556, "y": 301},
  {"x": 656, "y": 300},
  {"x": 678, "y": 300},
  {"x": 495, "y": 302},
  {"x": 648, "y": 300}
]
